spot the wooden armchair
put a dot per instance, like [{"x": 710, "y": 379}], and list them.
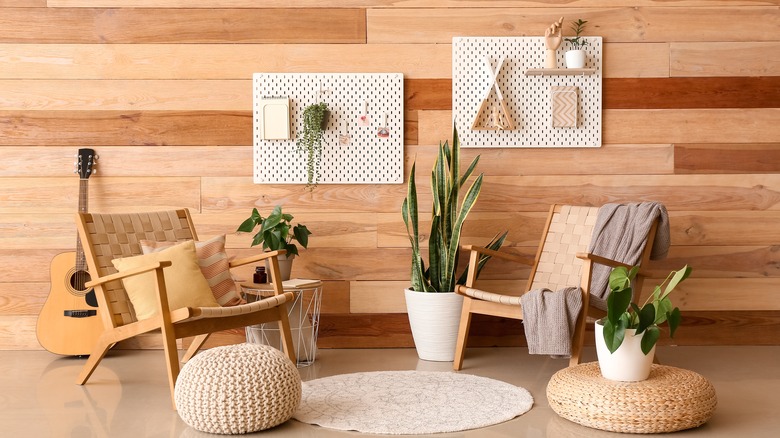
[
  {"x": 111, "y": 236},
  {"x": 561, "y": 261}
]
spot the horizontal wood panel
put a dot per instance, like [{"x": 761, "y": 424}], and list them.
[
  {"x": 226, "y": 194},
  {"x": 219, "y": 61},
  {"x": 127, "y": 95},
  {"x": 27, "y": 265},
  {"x": 641, "y": 126},
  {"x": 672, "y": 93},
  {"x": 18, "y": 333},
  {"x": 677, "y": 192},
  {"x": 117, "y": 128},
  {"x": 23, "y": 298},
  {"x": 705, "y": 228},
  {"x": 329, "y": 230},
  {"x": 697, "y": 328},
  {"x": 727, "y": 158},
  {"x": 620, "y": 24},
  {"x": 725, "y": 58},
  {"x": 239, "y": 61},
  {"x": 643, "y": 159},
  {"x": 60, "y": 195},
  {"x": 695, "y": 294},
  {"x": 721, "y": 261},
  {"x": 691, "y": 126},
  {"x": 130, "y": 25},
  {"x": 635, "y": 60},
  {"x": 388, "y": 3},
  {"x": 48, "y": 161}
]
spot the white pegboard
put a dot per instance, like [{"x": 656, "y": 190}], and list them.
[
  {"x": 368, "y": 159},
  {"x": 527, "y": 97}
]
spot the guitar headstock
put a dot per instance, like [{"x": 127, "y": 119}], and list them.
[{"x": 86, "y": 159}]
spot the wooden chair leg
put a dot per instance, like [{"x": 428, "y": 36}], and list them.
[
  {"x": 171, "y": 359},
  {"x": 284, "y": 329},
  {"x": 578, "y": 340},
  {"x": 463, "y": 334},
  {"x": 98, "y": 352},
  {"x": 194, "y": 347}
]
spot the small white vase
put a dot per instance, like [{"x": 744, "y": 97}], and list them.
[
  {"x": 434, "y": 318},
  {"x": 627, "y": 363},
  {"x": 575, "y": 59}
]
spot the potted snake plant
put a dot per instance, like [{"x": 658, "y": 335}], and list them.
[{"x": 432, "y": 305}]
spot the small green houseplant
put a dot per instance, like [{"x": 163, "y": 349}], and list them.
[
  {"x": 578, "y": 42},
  {"x": 276, "y": 231},
  {"x": 315, "y": 117},
  {"x": 575, "y": 58},
  {"x": 447, "y": 219},
  {"x": 623, "y": 314}
]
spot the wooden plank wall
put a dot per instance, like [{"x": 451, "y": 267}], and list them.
[{"x": 162, "y": 90}]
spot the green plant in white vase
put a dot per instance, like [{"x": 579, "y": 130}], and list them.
[
  {"x": 315, "y": 118},
  {"x": 575, "y": 57},
  {"x": 624, "y": 314},
  {"x": 276, "y": 231}
]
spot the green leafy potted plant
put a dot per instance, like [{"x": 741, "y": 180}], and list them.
[
  {"x": 309, "y": 142},
  {"x": 575, "y": 57},
  {"x": 626, "y": 338},
  {"x": 431, "y": 294},
  {"x": 277, "y": 232}
]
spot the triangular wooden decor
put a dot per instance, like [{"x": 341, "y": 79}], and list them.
[{"x": 497, "y": 121}]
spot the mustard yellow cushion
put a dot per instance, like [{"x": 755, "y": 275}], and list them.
[{"x": 186, "y": 285}]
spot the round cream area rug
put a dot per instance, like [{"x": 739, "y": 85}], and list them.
[{"x": 410, "y": 402}]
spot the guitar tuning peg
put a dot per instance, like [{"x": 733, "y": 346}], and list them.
[
  {"x": 75, "y": 163},
  {"x": 94, "y": 171},
  {"x": 75, "y": 171},
  {"x": 96, "y": 157}
]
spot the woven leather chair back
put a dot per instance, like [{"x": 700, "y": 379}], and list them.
[
  {"x": 109, "y": 236},
  {"x": 569, "y": 232}
]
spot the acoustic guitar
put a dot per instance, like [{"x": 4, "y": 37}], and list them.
[{"x": 69, "y": 322}]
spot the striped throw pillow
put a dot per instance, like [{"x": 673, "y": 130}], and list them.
[{"x": 213, "y": 262}]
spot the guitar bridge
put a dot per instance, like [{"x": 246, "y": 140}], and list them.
[{"x": 79, "y": 313}]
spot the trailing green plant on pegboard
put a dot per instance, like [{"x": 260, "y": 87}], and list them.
[{"x": 315, "y": 120}]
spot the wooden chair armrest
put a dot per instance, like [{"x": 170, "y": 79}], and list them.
[
  {"x": 257, "y": 257},
  {"x": 524, "y": 259},
  {"x": 601, "y": 260},
  {"x": 128, "y": 273}
]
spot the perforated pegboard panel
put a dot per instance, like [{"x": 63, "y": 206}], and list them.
[
  {"x": 368, "y": 159},
  {"x": 527, "y": 97}
]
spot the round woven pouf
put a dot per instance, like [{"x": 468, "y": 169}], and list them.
[
  {"x": 671, "y": 399},
  {"x": 237, "y": 389}
]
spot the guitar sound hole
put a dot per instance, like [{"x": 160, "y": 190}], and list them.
[{"x": 78, "y": 279}]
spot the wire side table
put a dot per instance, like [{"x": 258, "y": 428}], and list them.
[{"x": 304, "y": 315}]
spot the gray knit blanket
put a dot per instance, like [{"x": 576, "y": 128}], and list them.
[
  {"x": 549, "y": 319},
  {"x": 620, "y": 234}
]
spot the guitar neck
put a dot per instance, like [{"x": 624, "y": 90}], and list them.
[{"x": 81, "y": 261}]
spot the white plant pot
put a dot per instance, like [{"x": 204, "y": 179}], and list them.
[
  {"x": 285, "y": 266},
  {"x": 627, "y": 363},
  {"x": 434, "y": 318},
  {"x": 575, "y": 59}
]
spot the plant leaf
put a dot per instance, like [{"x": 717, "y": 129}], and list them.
[
  {"x": 613, "y": 335},
  {"x": 646, "y": 317},
  {"x": 301, "y": 234},
  {"x": 247, "y": 226},
  {"x": 273, "y": 219},
  {"x": 678, "y": 276},
  {"x": 617, "y": 303},
  {"x": 674, "y": 317},
  {"x": 649, "y": 339}
]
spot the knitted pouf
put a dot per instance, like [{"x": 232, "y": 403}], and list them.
[{"x": 237, "y": 389}]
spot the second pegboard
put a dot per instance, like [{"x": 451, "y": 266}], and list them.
[
  {"x": 527, "y": 98},
  {"x": 367, "y": 158}
]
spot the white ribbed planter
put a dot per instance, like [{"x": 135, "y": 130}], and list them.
[
  {"x": 434, "y": 317},
  {"x": 627, "y": 363}
]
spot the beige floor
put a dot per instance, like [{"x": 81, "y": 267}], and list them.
[{"x": 128, "y": 397}]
